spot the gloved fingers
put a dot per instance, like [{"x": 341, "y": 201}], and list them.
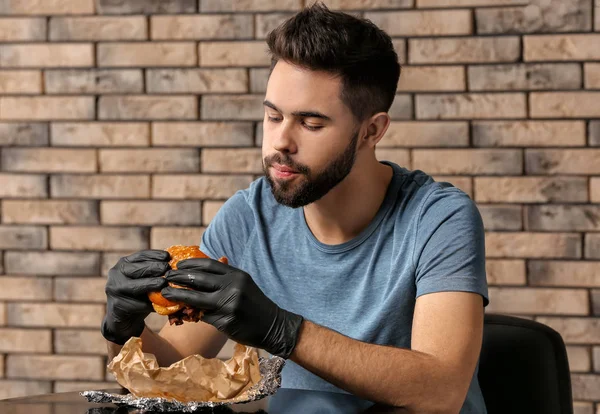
[
  {"x": 148, "y": 308},
  {"x": 128, "y": 307},
  {"x": 144, "y": 269},
  {"x": 206, "y": 282},
  {"x": 199, "y": 300},
  {"x": 148, "y": 255},
  {"x": 205, "y": 265},
  {"x": 216, "y": 319},
  {"x": 137, "y": 287}
]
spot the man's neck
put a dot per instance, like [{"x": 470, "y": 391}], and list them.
[{"x": 349, "y": 208}]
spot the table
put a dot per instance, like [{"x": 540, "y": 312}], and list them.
[{"x": 286, "y": 401}]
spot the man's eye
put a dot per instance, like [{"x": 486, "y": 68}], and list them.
[
  {"x": 274, "y": 119},
  {"x": 312, "y": 128}
]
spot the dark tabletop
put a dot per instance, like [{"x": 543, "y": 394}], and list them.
[{"x": 284, "y": 401}]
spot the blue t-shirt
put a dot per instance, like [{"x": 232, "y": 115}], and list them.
[{"x": 426, "y": 237}]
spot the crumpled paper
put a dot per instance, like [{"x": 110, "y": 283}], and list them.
[
  {"x": 193, "y": 378},
  {"x": 270, "y": 370}
]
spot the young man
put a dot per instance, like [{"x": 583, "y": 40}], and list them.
[{"x": 367, "y": 277}]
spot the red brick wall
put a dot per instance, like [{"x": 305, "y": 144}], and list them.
[{"x": 124, "y": 125}]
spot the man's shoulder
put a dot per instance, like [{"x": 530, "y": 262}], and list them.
[
  {"x": 233, "y": 224},
  {"x": 419, "y": 192},
  {"x": 256, "y": 199},
  {"x": 416, "y": 187},
  {"x": 256, "y": 196},
  {"x": 440, "y": 203}
]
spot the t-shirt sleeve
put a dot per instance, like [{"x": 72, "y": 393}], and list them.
[
  {"x": 229, "y": 230},
  {"x": 449, "y": 252}
]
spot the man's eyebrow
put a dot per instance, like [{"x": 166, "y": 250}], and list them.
[{"x": 303, "y": 114}]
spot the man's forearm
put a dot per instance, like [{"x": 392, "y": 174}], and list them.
[
  {"x": 383, "y": 374},
  {"x": 113, "y": 350},
  {"x": 152, "y": 343}
]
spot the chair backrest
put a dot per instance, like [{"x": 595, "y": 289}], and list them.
[{"x": 523, "y": 368}]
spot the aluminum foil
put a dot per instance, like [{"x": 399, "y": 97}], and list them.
[{"x": 270, "y": 371}]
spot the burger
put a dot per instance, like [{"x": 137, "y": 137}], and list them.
[{"x": 176, "y": 311}]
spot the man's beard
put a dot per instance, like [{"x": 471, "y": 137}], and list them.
[{"x": 312, "y": 188}]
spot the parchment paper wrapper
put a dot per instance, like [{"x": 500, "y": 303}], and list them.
[
  {"x": 270, "y": 369},
  {"x": 193, "y": 379}
]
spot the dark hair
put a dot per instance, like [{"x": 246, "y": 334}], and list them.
[{"x": 355, "y": 49}]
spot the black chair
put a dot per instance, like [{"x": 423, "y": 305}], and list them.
[{"x": 523, "y": 368}]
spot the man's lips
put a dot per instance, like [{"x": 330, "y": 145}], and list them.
[
  {"x": 284, "y": 173},
  {"x": 284, "y": 169}
]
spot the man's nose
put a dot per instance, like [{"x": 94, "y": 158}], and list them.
[{"x": 284, "y": 139}]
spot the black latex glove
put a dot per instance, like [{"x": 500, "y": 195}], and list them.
[
  {"x": 234, "y": 305},
  {"x": 127, "y": 287}
]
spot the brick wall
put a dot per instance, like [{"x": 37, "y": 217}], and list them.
[{"x": 124, "y": 125}]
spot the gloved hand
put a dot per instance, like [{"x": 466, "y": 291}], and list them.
[
  {"x": 127, "y": 287},
  {"x": 234, "y": 305}
]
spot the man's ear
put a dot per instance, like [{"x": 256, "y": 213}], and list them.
[{"x": 376, "y": 128}]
